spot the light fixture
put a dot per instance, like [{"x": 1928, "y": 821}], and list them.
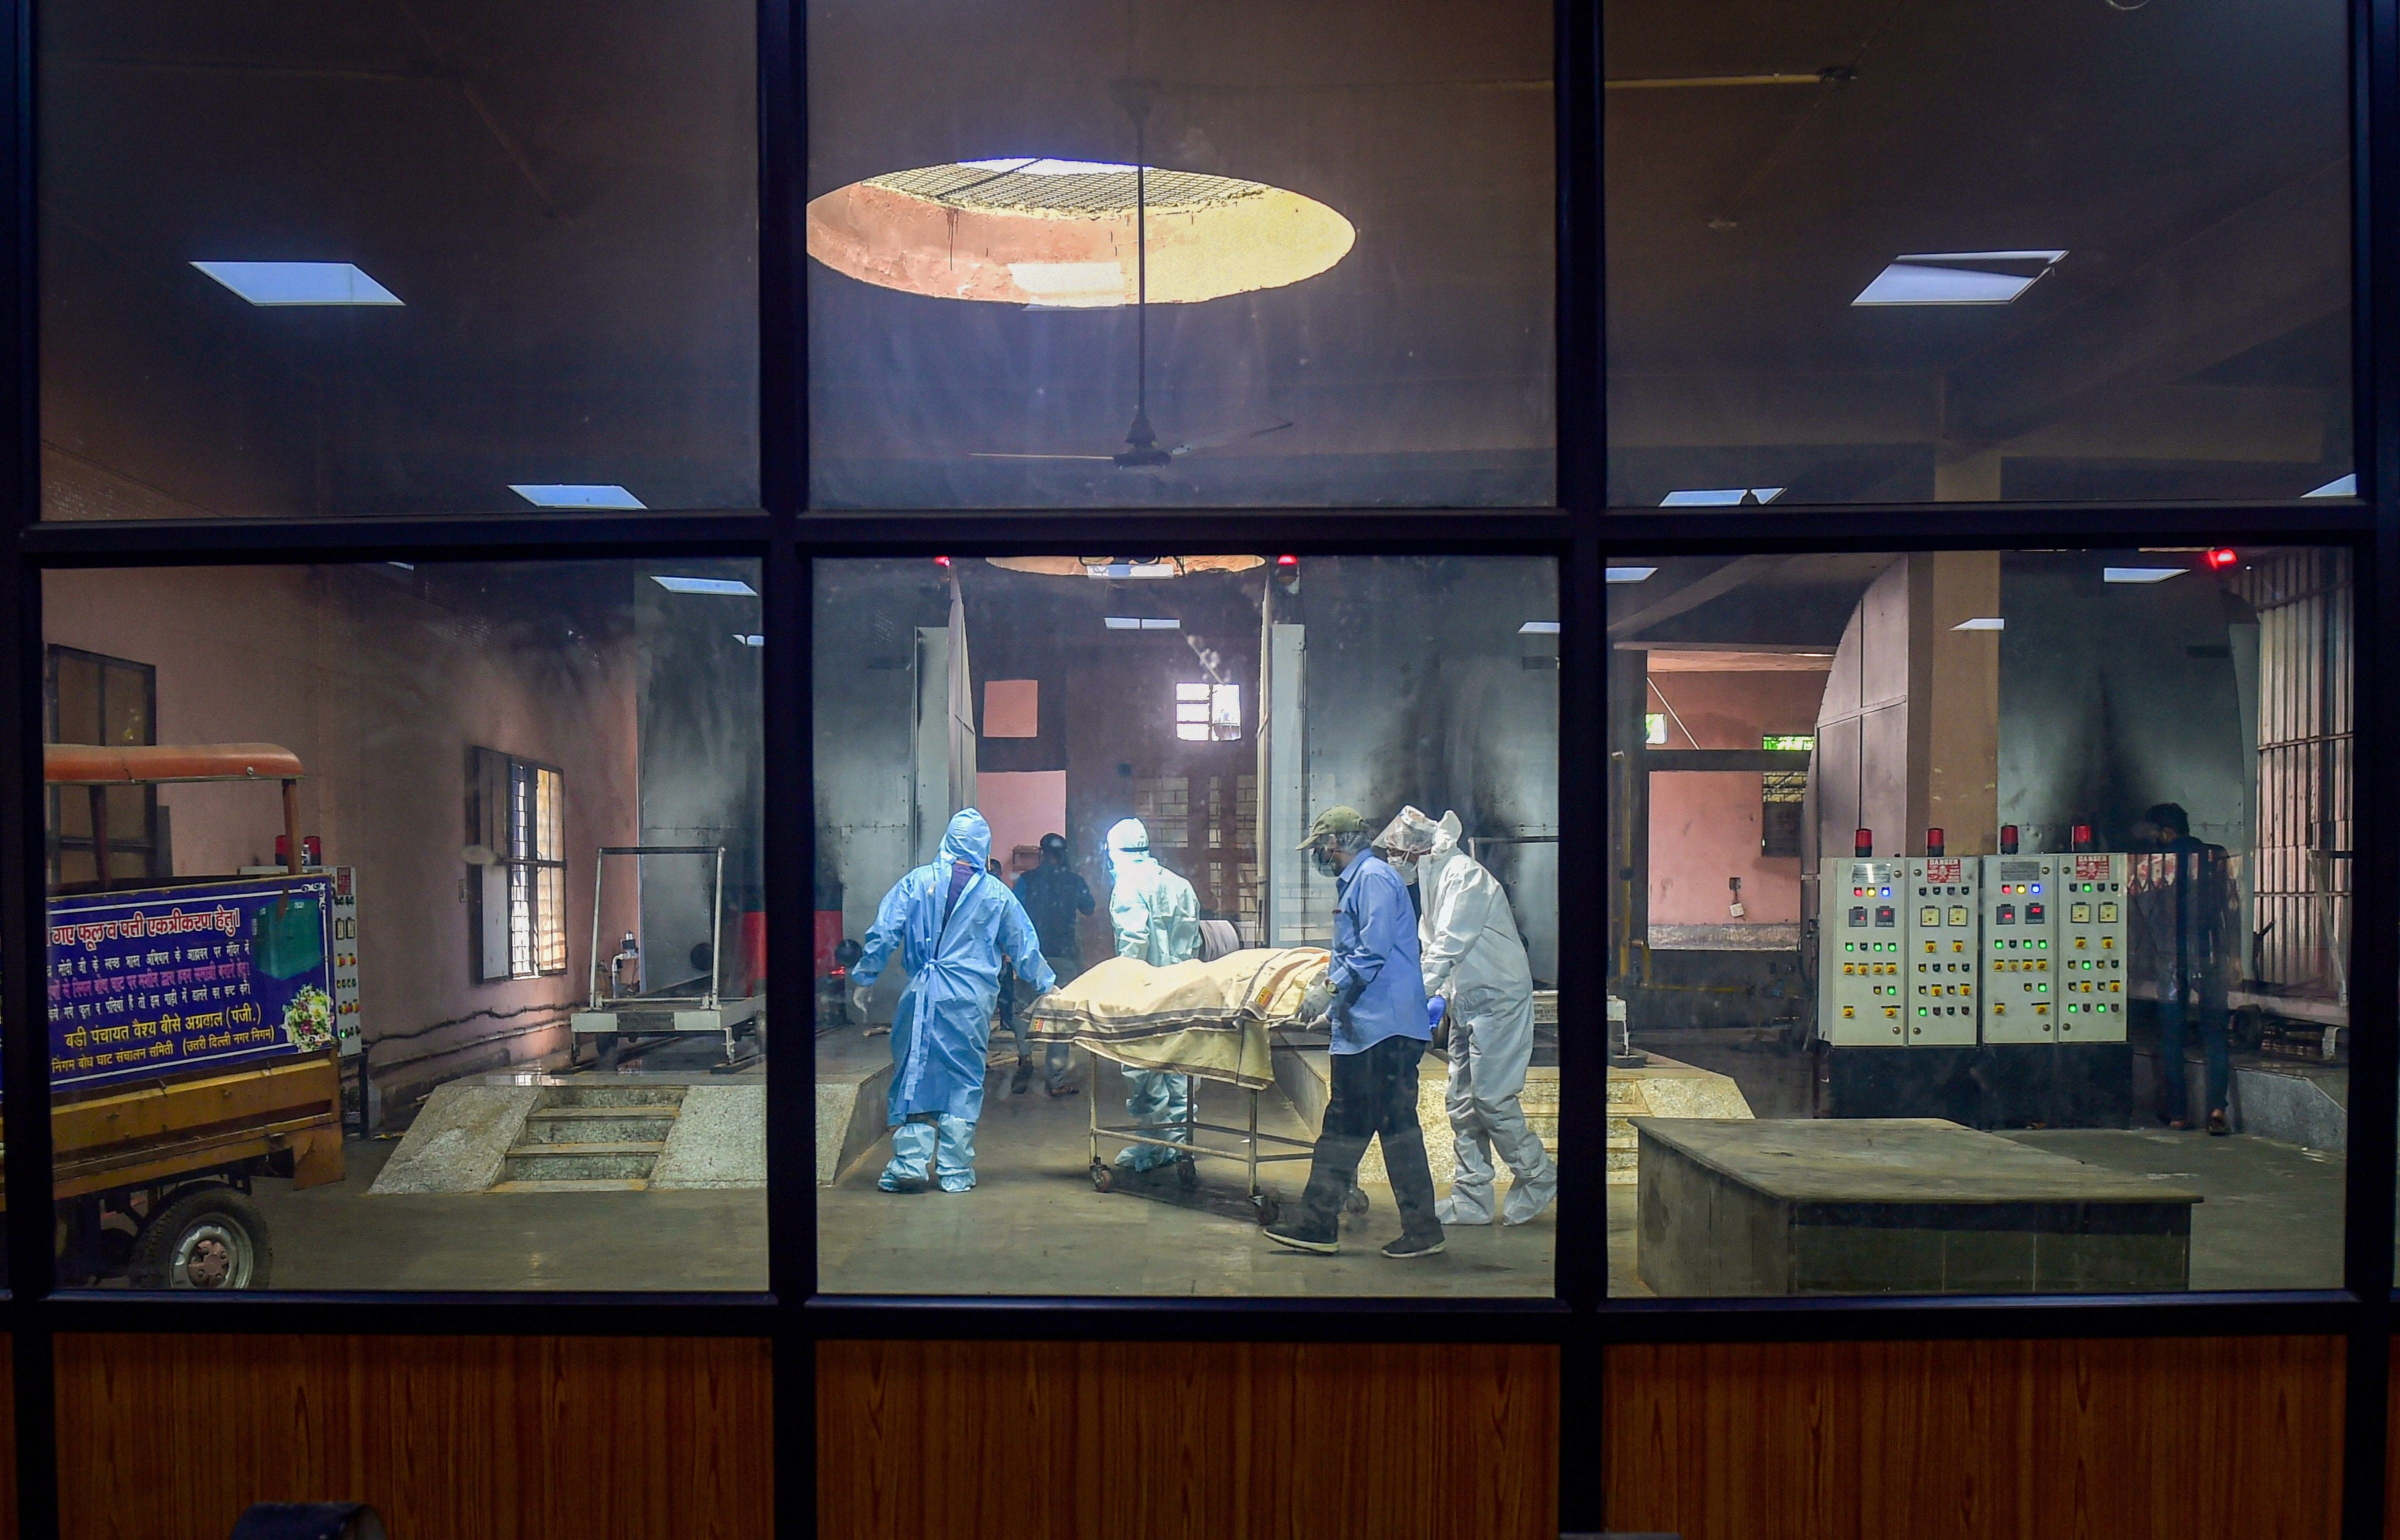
[
  {"x": 1133, "y": 569},
  {"x": 1958, "y": 278},
  {"x": 1124, "y": 566},
  {"x": 2341, "y": 486},
  {"x": 299, "y": 282},
  {"x": 570, "y": 495},
  {"x": 1538, "y": 628},
  {"x": 752, "y": 639},
  {"x": 1981, "y": 622},
  {"x": 2138, "y": 574},
  {"x": 1722, "y": 497},
  {"x": 728, "y": 587},
  {"x": 1060, "y": 234},
  {"x": 2220, "y": 557},
  {"x": 1631, "y": 574},
  {"x": 1140, "y": 623}
]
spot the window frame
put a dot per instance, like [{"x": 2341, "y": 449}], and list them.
[{"x": 1580, "y": 531}]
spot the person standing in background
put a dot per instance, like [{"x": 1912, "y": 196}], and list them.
[
  {"x": 1156, "y": 916},
  {"x": 1054, "y": 895}
]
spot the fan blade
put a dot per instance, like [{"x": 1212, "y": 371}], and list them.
[
  {"x": 987, "y": 455},
  {"x": 1215, "y": 441}
]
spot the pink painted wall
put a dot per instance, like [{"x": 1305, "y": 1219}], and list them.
[
  {"x": 1021, "y": 806},
  {"x": 380, "y": 693},
  {"x": 1704, "y": 826}
]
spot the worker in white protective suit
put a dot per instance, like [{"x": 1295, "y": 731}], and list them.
[
  {"x": 1158, "y": 918},
  {"x": 1475, "y": 962}
]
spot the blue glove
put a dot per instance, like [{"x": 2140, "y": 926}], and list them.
[{"x": 1434, "y": 1004}]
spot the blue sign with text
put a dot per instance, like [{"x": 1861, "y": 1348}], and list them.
[{"x": 206, "y": 974}]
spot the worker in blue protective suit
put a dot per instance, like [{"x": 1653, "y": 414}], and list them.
[
  {"x": 1373, "y": 996},
  {"x": 953, "y": 922},
  {"x": 1157, "y": 920}
]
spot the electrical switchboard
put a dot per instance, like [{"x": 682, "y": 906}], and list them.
[
  {"x": 1940, "y": 1005},
  {"x": 1862, "y": 932},
  {"x": 2092, "y": 948},
  {"x": 2019, "y": 947}
]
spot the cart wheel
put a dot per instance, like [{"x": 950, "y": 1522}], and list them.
[
  {"x": 1103, "y": 1178},
  {"x": 1265, "y": 1208},
  {"x": 574, "y": 1049},
  {"x": 207, "y": 1237},
  {"x": 1355, "y": 1203}
]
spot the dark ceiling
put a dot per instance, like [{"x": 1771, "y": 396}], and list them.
[
  {"x": 564, "y": 197},
  {"x": 2189, "y": 155}
]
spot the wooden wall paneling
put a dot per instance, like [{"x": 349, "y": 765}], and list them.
[
  {"x": 169, "y": 1437},
  {"x": 2168, "y": 1437},
  {"x": 1186, "y": 1441}
]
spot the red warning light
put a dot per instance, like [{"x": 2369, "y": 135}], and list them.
[
  {"x": 2220, "y": 557},
  {"x": 2083, "y": 838},
  {"x": 1287, "y": 561},
  {"x": 1862, "y": 844},
  {"x": 1933, "y": 843},
  {"x": 941, "y": 561},
  {"x": 2008, "y": 839}
]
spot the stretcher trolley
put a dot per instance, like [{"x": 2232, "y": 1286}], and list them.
[
  {"x": 623, "y": 1003},
  {"x": 1212, "y": 1021}
]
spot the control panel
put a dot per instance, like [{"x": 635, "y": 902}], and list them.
[
  {"x": 1943, "y": 981},
  {"x": 2092, "y": 948},
  {"x": 2020, "y": 948},
  {"x": 1862, "y": 934}
]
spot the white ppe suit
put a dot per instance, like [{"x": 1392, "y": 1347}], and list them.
[
  {"x": 1156, "y": 916},
  {"x": 1473, "y": 957}
]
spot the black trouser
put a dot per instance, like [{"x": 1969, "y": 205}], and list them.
[{"x": 1374, "y": 1096}]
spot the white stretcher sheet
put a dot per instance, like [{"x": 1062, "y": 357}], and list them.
[{"x": 1189, "y": 1018}]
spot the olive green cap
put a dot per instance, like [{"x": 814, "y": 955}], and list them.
[{"x": 1339, "y": 819}]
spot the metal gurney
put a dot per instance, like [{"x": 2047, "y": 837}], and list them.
[{"x": 1201, "y": 1021}]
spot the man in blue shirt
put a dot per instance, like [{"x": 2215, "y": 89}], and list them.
[{"x": 1374, "y": 995}]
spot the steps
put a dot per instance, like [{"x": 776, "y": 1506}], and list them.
[{"x": 596, "y": 1138}]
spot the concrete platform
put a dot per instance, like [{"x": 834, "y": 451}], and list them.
[
  {"x": 1913, "y": 1205},
  {"x": 854, "y": 1082}
]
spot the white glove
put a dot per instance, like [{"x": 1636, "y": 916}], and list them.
[
  {"x": 858, "y": 999},
  {"x": 1315, "y": 1003}
]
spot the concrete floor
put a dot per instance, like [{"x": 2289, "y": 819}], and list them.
[
  {"x": 2272, "y": 1218},
  {"x": 1034, "y": 1224}
]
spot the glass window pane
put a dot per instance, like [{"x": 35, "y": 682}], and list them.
[
  {"x": 301, "y": 261},
  {"x": 1861, "y": 254},
  {"x": 2069, "y": 896},
  {"x": 441, "y": 1084},
  {"x": 1154, "y": 873},
  {"x": 1090, "y": 254}
]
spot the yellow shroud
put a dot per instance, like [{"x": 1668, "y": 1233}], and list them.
[{"x": 1187, "y": 1018}]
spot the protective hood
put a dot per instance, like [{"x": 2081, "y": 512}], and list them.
[
  {"x": 1443, "y": 848},
  {"x": 968, "y": 838},
  {"x": 1128, "y": 840},
  {"x": 1411, "y": 832}
]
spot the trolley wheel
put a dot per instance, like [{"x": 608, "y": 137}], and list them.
[
  {"x": 1355, "y": 1203},
  {"x": 1104, "y": 1178},
  {"x": 206, "y": 1238},
  {"x": 1265, "y": 1208}
]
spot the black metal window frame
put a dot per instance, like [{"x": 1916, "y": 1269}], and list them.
[
  {"x": 1580, "y": 532},
  {"x": 58, "y": 844}
]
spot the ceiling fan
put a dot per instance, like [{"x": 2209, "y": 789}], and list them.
[{"x": 1142, "y": 449}]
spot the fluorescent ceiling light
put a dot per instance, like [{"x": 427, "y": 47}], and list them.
[
  {"x": 2341, "y": 486},
  {"x": 730, "y": 586},
  {"x": 1629, "y": 574},
  {"x": 1981, "y": 622},
  {"x": 1132, "y": 569},
  {"x": 1044, "y": 166},
  {"x": 299, "y": 282},
  {"x": 1538, "y": 628},
  {"x": 2138, "y": 574},
  {"x": 1723, "y": 496},
  {"x": 1958, "y": 278},
  {"x": 1141, "y": 622},
  {"x": 751, "y": 640},
  {"x": 569, "y": 495}
]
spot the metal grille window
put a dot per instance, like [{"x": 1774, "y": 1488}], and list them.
[
  {"x": 2300, "y": 881},
  {"x": 95, "y": 698},
  {"x": 516, "y": 834},
  {"x": 1782, "y": 795}
]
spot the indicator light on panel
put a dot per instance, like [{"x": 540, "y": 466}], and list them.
[{"x": 1862, "y": 844}]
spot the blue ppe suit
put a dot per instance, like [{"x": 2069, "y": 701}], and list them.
[
  {"x": 1156, "y": 916},
  {"x": 952, "y": 923}
]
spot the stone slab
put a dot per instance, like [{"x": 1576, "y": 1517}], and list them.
[
  {"x": 718, "y": 1141},
  {"x": 459, "y": 1141},
  {"x": 1892, "y": 1160},
  {"x": 1915, "y": 1205}
]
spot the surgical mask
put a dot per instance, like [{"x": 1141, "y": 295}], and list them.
[
  {"x": 1404, "y": 865},
  {"x": 1325, "y": 866}
]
